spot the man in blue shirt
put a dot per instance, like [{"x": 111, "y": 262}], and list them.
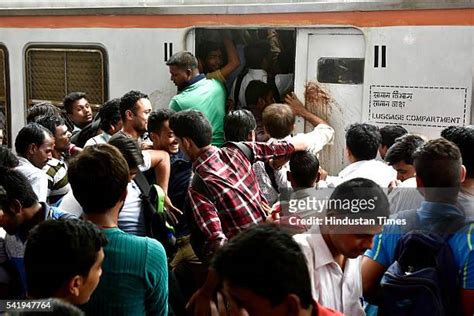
[
  {"x": 20, "y": 212},
  {"x": 439, "y": 173}
]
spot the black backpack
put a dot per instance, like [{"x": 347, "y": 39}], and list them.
[
  {"x": 156, "y": 219},
  {"x": 423, "y": 280}
]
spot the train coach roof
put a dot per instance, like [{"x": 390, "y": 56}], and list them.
[{"x": 151, "y": 7}]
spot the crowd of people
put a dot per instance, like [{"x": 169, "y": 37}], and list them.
[{"x": 214, "y": 206}]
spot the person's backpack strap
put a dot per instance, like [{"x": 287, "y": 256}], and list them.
[
  {"x": 198, "y": 185},
  {"x": 144, "y": 187},
  {"x": 271, "y": 82},
  {"x": 238, "y": 85},
  {"x": 156, "y": 219},
  {"x": 271, "y": 174},
  {"x": 246, "y": 150}
]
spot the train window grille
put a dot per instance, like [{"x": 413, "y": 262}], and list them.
[
  {"x": 52, "y": 73},
  {"x": 4, "y": 97}
]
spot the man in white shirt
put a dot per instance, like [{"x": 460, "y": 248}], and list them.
[
  {"x": 333, "y": 251},
  {"x": 362, "y": 144},
  {"x": 110, "y": 122},
  {"x": 259, "y": 66},
  {"x": 279, "y": 122},
  {"x": 400, "y": 156},
  {"x": 34, "y": 145},
  {"x": 78, "y": 110},
  {"x": 257, "y": 58}
]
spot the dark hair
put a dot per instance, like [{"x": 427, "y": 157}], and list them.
[
  {"x": 267, "y": 261},
  {"x": 437, "y": 163},
  {"x": 304, "y": 167},
  {"x": 32, "y": 133},
  {"x": 278, "y": 120},
  {"x": 238, "y": 124},
  {"x": 463, "y": 137},
  {"x": 391, "y": 132},
  {"x": 183, "y": 60},
  {"x": 40, "y": 109},
  {"x": 96, "y": 168},
  {"x": 69, "y": 100},
  {"x": 255, "y": 90},
  {"x": 372, "y": 202},
  {"x": 129, "y": 148},
  {"x": 51, "y": 122},
  {"x": 58, "y": 250},
  {"x": 363, "y": 140},
  {"x": 403, "y": 149},
  {"x": 157, "y": 118},
  {"x": 255, "y": 53},
  {"x": 128, "y": 101},
  {"x": 286, "y": 61},
  {"x": 206, "y": 47},
  {"x": 109, "y": 114},
  {"x": 192, "y": 124},
  {"x": 7, "y": 158},
  {"x": 17, "y": 187}
]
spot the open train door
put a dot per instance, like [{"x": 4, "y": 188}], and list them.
[{"x": 329, "y": 74}]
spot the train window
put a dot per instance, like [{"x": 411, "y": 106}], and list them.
[
  {"x": 53, "y": 72},
  {"x": 341, "y": 70},
  {"x": 5, "y": 132}
]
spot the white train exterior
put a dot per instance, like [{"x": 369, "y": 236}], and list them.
[{"x": 415, "y": 59}]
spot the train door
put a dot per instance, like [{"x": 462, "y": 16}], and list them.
[{"x": 329, "y": 75}]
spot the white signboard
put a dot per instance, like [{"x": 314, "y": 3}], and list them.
[{"x": 418, "y": 106}]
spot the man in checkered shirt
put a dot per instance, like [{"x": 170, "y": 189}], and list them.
[{"x": 232, "y": 201}]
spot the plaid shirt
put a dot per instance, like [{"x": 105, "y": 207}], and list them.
[{"x": 229, "y": 177}]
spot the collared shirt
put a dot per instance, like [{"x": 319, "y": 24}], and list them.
[
  {"x": 228, "y": 175},
  {"x": 374, "y": 170},
  {"x": 99, "y": 139},
  {"x": 330, "y": 285},
  {"x": 405, "y": 197},
  {"x": 429, "y": 215},
  {"x": 36, "y": 177},
  {"x": 209, "y": 97},
  {"x": 58, "y": 184}
]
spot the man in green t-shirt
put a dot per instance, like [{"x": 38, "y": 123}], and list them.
[
  {"x": 134, "y": 272},
  {"x": 196, "y": 92}
]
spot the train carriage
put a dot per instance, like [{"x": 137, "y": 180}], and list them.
[{"x": 384, "y": 62}]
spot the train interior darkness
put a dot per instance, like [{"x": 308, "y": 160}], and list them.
[{"x": 281, "y": 43}]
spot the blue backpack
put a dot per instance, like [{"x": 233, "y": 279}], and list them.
[{"x": 423, "y": 280}]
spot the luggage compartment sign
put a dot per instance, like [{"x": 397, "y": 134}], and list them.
[{"x": 427, "y": 106}]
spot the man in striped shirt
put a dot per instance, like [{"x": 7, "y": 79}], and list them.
[{"x": 56, "y": 168}]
